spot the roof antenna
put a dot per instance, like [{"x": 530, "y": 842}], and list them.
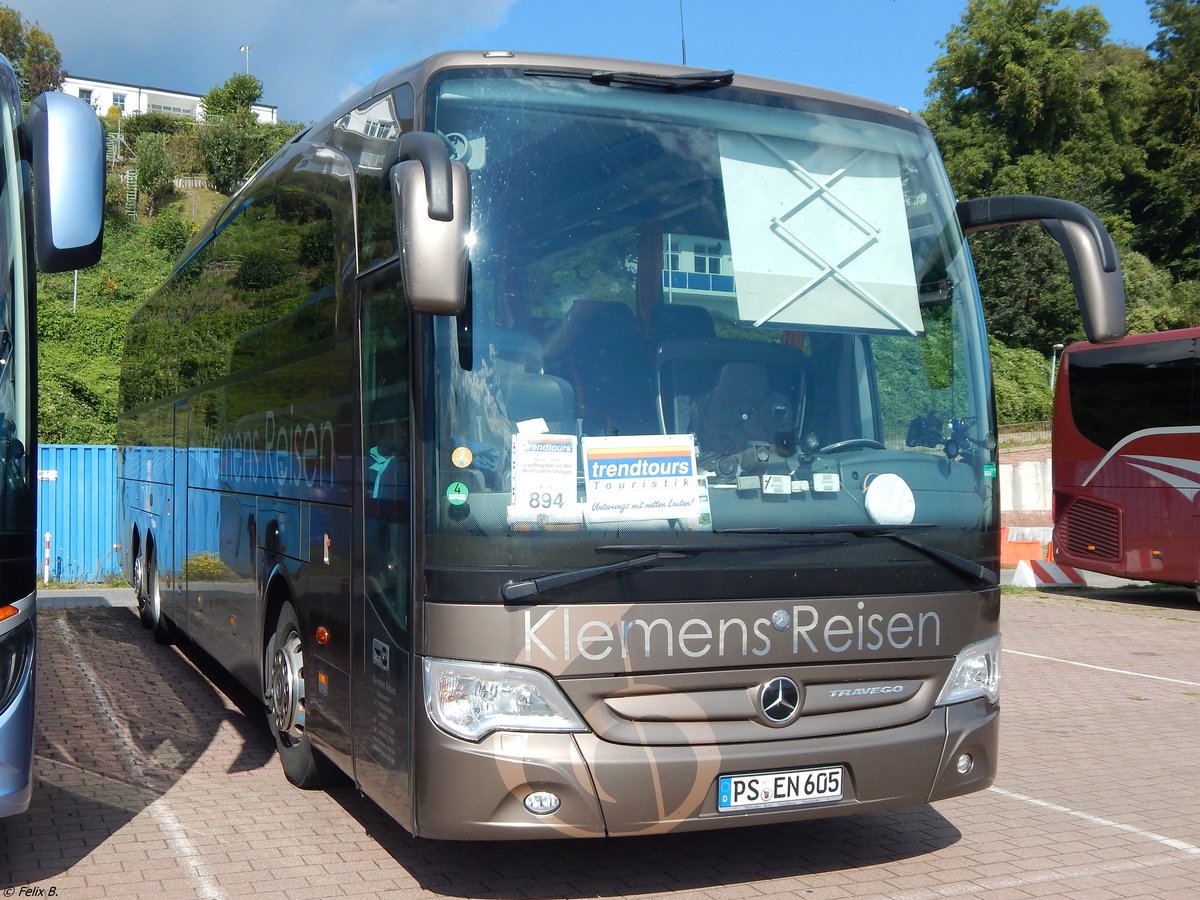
[{"x": 682, "y": 37}]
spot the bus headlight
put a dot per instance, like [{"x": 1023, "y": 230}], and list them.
[
  {"x": 471, "y": 700},
  {"x": 976, "y": 673}
]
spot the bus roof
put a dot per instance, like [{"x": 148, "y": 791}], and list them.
[
  {"x": 420, "y": 70},
  {"x": 1133, "y": 340}
]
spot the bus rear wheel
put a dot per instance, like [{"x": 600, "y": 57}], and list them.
[
  {"x": 150, "y": 601},
  {"x": 139, "y": 585},
  {"x": 283, "y": 671}
]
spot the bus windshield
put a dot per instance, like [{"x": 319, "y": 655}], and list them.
[
  {"x": 15, "y": 419},
  {"x": 696, "y": 312}
]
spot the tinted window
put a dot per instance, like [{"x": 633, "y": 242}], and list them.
[
  {"x": 262, "y": 289},
  {"x": 1116, "y": 391},
  {"x": 366, "y": 135}
]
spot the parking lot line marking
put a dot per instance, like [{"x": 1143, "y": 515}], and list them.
[
  {"x": 1071, "y": 662},
  {"x": 188, "y": 857},
  {"x": 1173, "y": 843}
]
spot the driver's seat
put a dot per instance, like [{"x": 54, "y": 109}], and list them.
[{"x": 741, "y": 410}]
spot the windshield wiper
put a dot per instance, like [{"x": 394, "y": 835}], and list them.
[
  {"x": 726, "y": 548},
  {"x": 517, "y": 590},
  {"x": 685, "y": 81},
  {"x": 952, "y": 561}
]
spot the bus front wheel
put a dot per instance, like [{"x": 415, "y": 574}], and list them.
[{"x": 283, "y": 668}]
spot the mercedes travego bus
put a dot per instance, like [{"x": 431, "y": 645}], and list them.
[
  {"x": 59, "y": 222},
  {"x": 1126, "y": 456},
  {"x": 569, "y": 447}
]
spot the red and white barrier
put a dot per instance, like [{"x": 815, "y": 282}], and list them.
[{"x": 1034, "y": 574}]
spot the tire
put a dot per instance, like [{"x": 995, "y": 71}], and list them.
[
  {"x": 283, "y": 677},
  {"x": 150, "y": 607},
  {"x": 139, "y": 588}
]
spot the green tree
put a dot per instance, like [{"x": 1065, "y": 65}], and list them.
[
  {"x": 226, "y": 149},
  {"x": 234, "y": 97},
  {"x": 233, "y": 143},
  {"x": 155, "y": 169},
  {"x": 1031, "y": 98},
  {"x": 12, "y": 34},
  {"x": 1010, "y": 83},
  {"x": 32, "y": 52},
  {"x": 42, "y": 66},
  {"x": 1169, "y": 202}
]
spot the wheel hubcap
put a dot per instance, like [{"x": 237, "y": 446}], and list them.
[
  {"x": 286, "y": 690},
  {"x": 154, "y": 599}
]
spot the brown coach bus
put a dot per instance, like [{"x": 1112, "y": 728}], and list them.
[{"x": 570, "y": 447}]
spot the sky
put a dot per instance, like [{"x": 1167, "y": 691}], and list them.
[{"x": 311, "y": 55}]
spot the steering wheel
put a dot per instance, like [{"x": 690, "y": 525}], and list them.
[{"x": 852, "y": 444}]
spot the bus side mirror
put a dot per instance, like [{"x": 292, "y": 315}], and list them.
[
  {"x": 66, "y": 151},
  {"x": 431, "y": 195},
  {"x": 1089, "y": 250}
]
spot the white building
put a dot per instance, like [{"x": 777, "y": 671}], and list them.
[{"x": 132, "y": 99}]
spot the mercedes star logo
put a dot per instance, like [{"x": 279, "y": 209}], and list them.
[{"x": 780, "y": 699}]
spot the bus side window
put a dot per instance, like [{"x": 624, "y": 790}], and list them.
[
  {"x": 386, "y": 464},
  {"x": 365, "y": 136}
]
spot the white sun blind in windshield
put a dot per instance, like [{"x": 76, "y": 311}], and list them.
[{"x": 819, "y": 235}]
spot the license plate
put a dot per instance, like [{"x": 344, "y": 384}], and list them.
[{"x": 765, "y": 789}]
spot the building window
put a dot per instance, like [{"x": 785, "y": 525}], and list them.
[
  {"x": 119, "y": 101},
  {"x": 173, "y": 110},
  {"x": 85, "y": 94},
  {"x": 708, "y": 259},
  {"x": 376, "y": 129},
  {"x": 672, "y": 256}
]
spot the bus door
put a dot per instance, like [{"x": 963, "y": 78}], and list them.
[{"x": 382, "y": 687}]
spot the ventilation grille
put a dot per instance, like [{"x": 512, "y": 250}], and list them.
[{"x": 1093, "y": 530}]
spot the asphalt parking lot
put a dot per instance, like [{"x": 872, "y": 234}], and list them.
[{"x": 157, "y": 778}]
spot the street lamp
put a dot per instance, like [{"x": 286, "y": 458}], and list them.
[
  {"x": 1054, "y": 352},
  {"x": 245, "y": 48}
]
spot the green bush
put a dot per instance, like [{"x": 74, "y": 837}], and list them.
[
  {"x": 205, "y": 567},
  {"x": 1022, "y": 380},
  {"x": 168, "y": 232},
  {"x": 262, "y": 268}
]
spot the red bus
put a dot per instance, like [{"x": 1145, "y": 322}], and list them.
[{"x": 1127, "y": 457}]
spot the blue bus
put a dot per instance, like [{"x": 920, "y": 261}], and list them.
[{"x": 51, "y": 208}]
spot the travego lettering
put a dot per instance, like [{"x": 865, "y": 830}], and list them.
[{"x": 867, "y": 691}]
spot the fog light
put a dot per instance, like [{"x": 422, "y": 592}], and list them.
[
  {"x": 964, "y": 764},
  {"x": 542, "y": 803}
]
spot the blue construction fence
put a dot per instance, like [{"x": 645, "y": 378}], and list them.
[{"x": 77, "y": 512}]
